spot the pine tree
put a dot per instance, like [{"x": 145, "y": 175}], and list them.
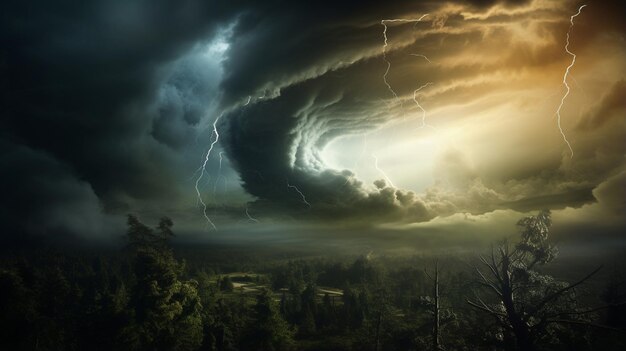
[
  {"x": 269, "y": 332},
  {"x": 167, "y": 311}
]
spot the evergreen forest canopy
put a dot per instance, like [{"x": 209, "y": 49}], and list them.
[{"x": 152, "y": 296}]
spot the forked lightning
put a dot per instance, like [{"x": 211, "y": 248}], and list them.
[
  {"x": 203, "y": 170},
  {"x": 565, "y": 75}
]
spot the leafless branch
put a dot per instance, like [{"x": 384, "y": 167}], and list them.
[
  {"x": 561, "y": 291},
  {"x": 488, "y": 283},
  {"x": 485, "y": 308}
]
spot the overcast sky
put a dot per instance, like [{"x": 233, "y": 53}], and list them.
[{"x": 405, "y": 116}]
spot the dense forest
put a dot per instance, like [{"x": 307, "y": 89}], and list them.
[{"x": 153, "y": 296}]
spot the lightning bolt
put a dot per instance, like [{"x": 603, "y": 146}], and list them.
[
  {"x": 248, "y": 102},
  {"x": 299, "y": 192},
  {"x": 420, "y": 106},
  {"x": 203, "y": 170},
  {"x": 250, "y": 217},
  {"x": 221, "y": 154},
  {"x": 219, "y": 174},
  {"x": 558, "y": 111},
  {"x": 393, "y": 92},
  {"x": 384, "y": 24},
  {"x": 381, "y": 171},
  {"x": 422, "y": 56}
]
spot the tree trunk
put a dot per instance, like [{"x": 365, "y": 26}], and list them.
[
  {"x": 520, "y": 329},
  {"x": 378, "y": 323}
]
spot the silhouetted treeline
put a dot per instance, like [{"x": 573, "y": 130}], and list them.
[{"x": 149, "y": 297}]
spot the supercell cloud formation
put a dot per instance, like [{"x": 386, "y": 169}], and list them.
[{"x": 108, "y": 108}]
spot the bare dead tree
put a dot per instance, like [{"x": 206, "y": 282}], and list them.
[{"x": 527, "y": 302}]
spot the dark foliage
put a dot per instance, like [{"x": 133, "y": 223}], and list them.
[{"x": 152, "y": 297}]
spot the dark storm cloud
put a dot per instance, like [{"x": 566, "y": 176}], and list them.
[
  {"x": 102, "y": 99},
  {"x": 109, "y": 90},
  {"x": 82, "y": 90},
  {"x": 289, "y": 56},
  {"x": 43, "y": 197},
  {"x": 89, "y": 86},
  {"x": 573, "y": 198},
  {"x": 291, "y": 59},
  {"x": 273, "y": 145},
  {"x": 610, "y": 194},
  {"x": 278, "y": 43},
  {"x": 77, "y": 80},
  {"x": 183, "y": 100}
]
